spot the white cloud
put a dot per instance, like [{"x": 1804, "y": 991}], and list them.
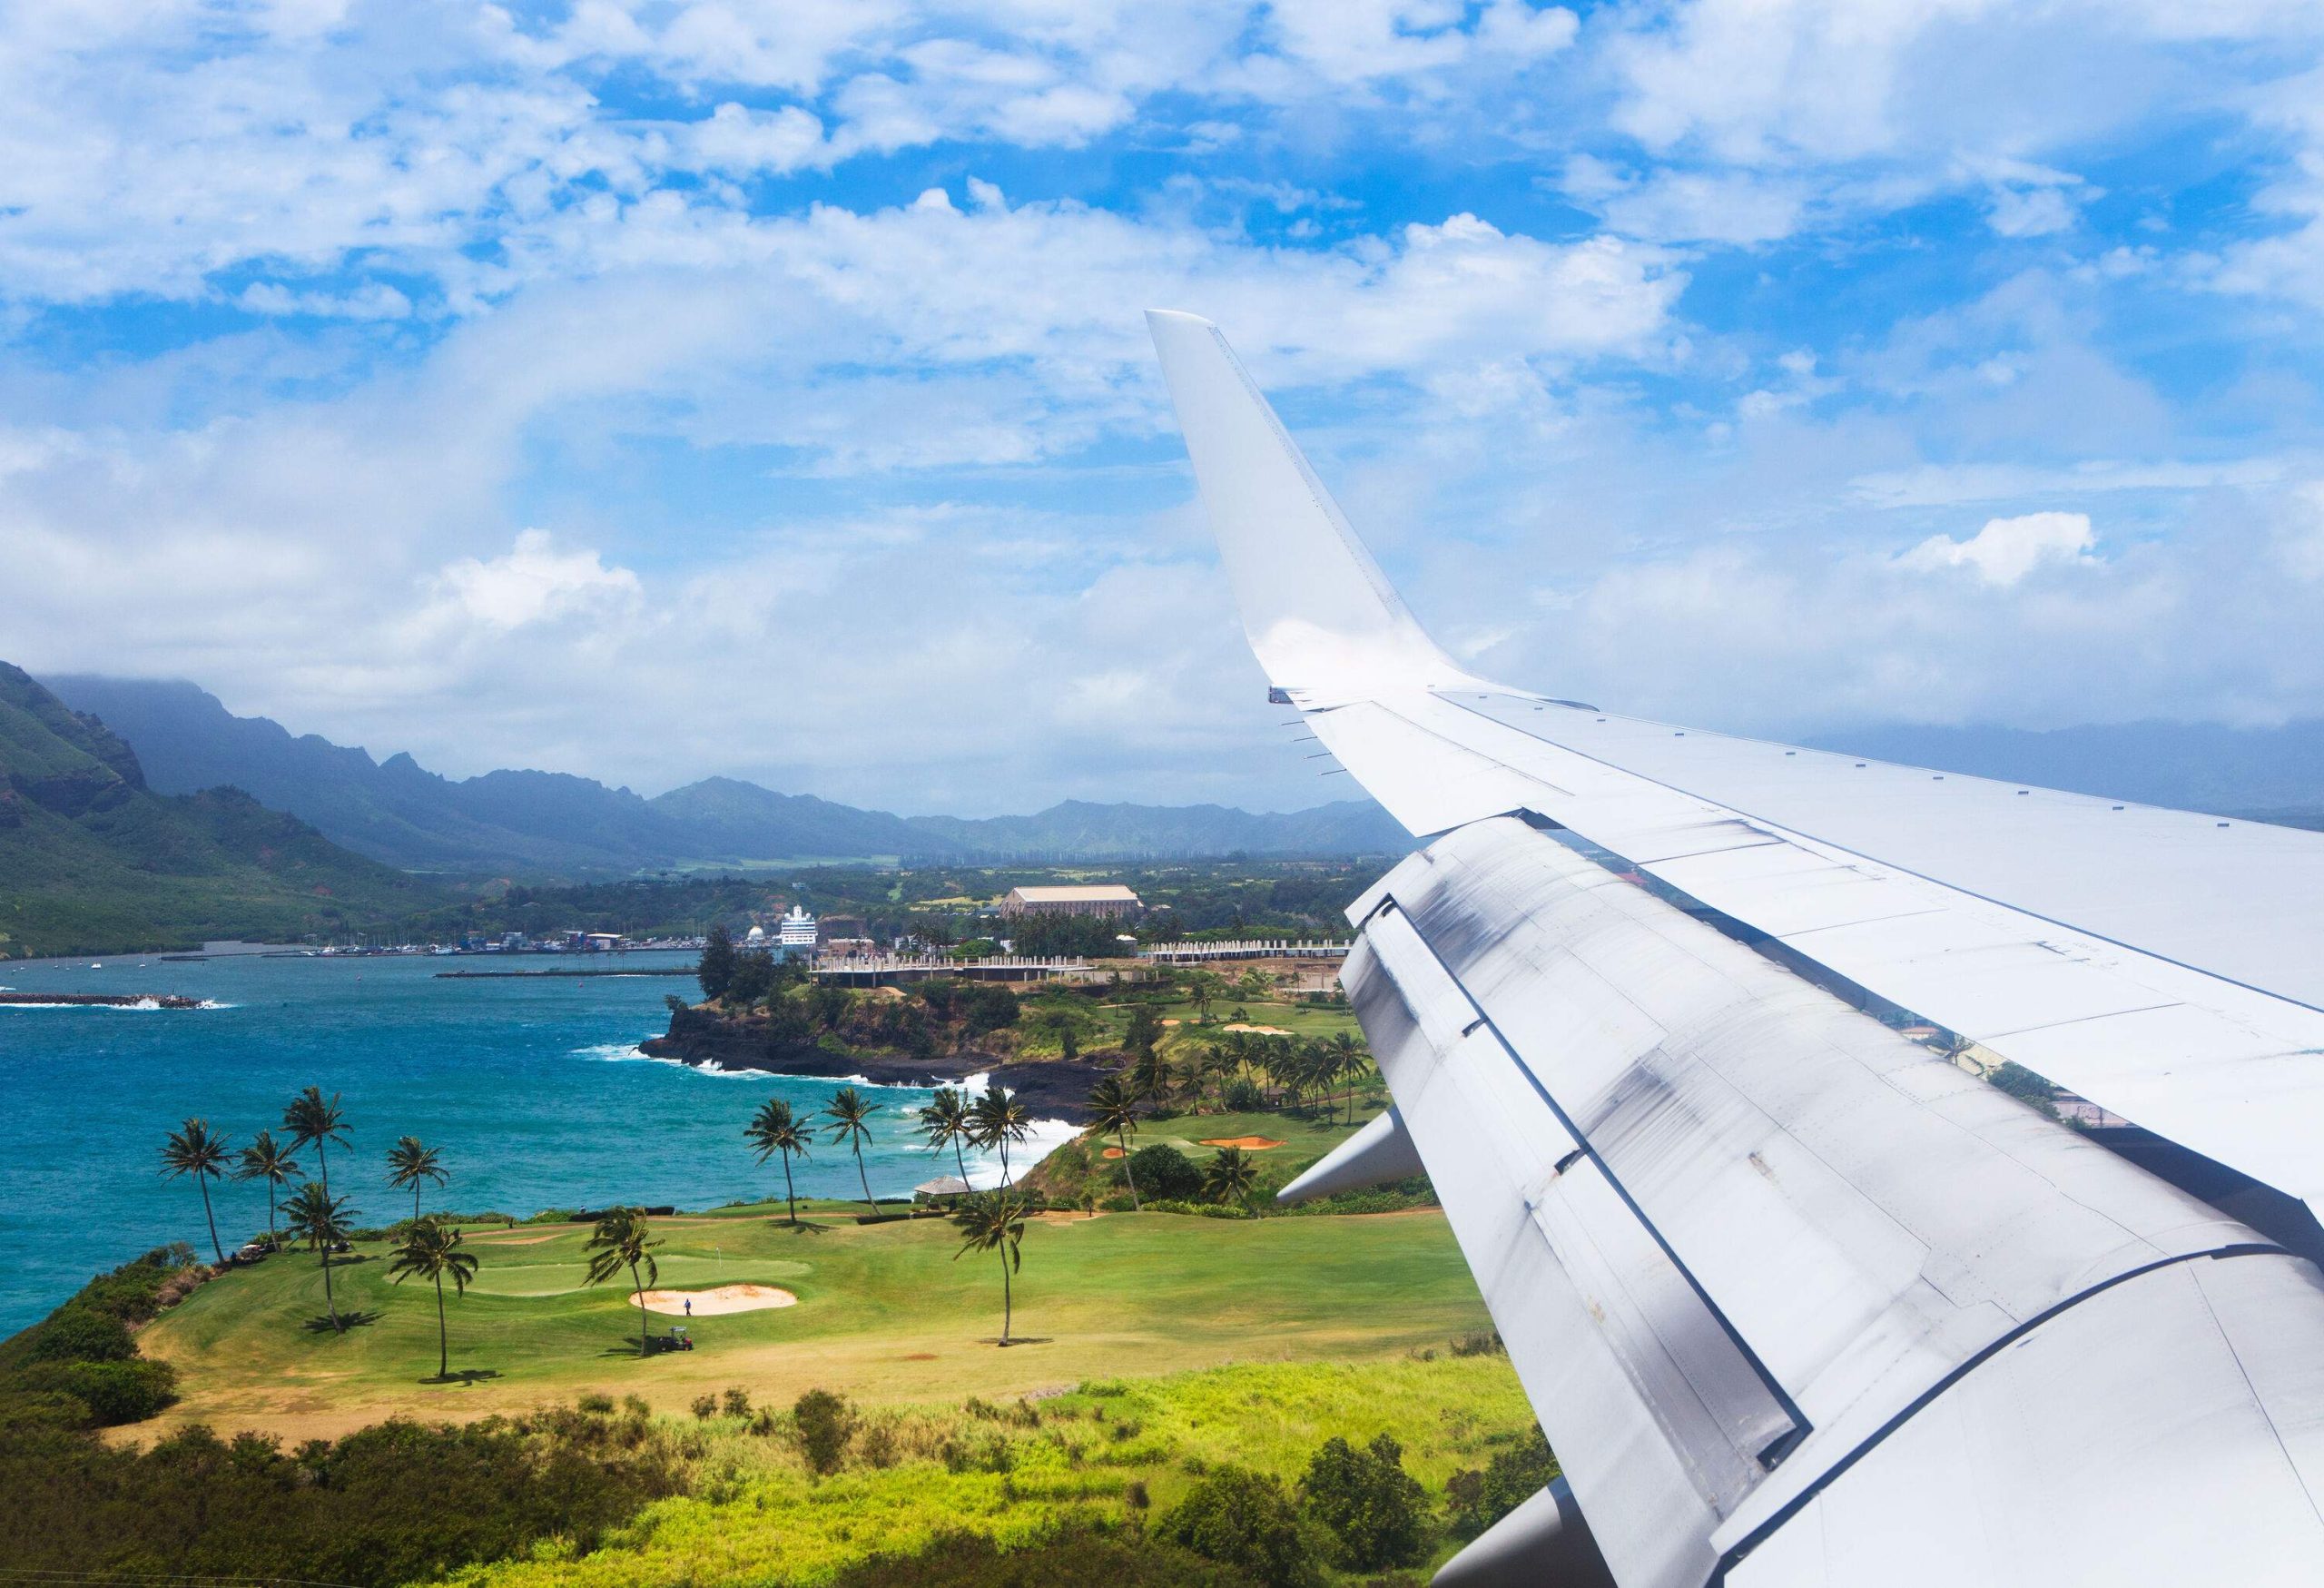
[
  {"x": 531, "y": 583},
  {"x": 374, "y": 301},
  {"x": 2007, "y": 549},
  {"x": 737, "y": 140}
]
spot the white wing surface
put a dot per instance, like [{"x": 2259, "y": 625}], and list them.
[{"x": 1797, "y": 1301}]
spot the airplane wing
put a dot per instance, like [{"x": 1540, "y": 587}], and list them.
[{"x": 1797, "y": 1301}]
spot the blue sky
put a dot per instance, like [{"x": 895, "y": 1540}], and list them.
[{"x": 652, "y": 391}]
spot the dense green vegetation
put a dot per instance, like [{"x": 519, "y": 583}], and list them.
[
  {"x": 80, "y": 1367},
  {"x": 92, "y": 861},
  {"x": 942, "y": 904}
]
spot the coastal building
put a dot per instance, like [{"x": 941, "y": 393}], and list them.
[
  {"x": 844, "y": 934},
  {"x": 797, "y": 934},
  {"x": 1109, "y": 899}
]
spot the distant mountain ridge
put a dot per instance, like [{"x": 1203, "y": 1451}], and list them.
[
  {"x": 2272, "y": 773},
  {"x": 92, "y": 858},
  {"x": 397, "y": 812}
]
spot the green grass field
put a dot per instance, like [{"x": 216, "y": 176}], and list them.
[{"x": 885, "y": 1312}]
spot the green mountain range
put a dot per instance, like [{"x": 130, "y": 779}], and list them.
[
  {"x": 545, "y": 823},
  {"x": 92, "y": 859}
]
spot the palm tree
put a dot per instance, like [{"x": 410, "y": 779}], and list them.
[
  {"x": 775, "y": 1129},
  {"x": 848, "y": 1109},
  {"x": 995, "y": 1222},
  {"x": 410, "y": 1161},
  {"x": 265, "y": 1159},
  {"x": 193, "y": 1150},
  {"x": 430, "y": 1250},
  {"x": 945, "y": 1122},
  {"x": 1347, "y": 1061},
  {"x": 1230, "y": 1175},
  {"x": 619, "y": 1242},
  {"x": 320, "y": 1219},
  {"x": 1152, "y": 1077},
  {"x": 1219, "y": 1064},
  {"x": 1202, "y": 988},
  {"x": 1113, "y": 1108},
  {"x": 996, "y": 1119},
  {"x": 309, "y": 1117}
]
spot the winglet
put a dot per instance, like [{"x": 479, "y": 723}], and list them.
[{"x": 1316, "y": 606}]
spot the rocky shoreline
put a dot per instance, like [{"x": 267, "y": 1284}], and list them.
[{"x": 1050, "y": 1089}]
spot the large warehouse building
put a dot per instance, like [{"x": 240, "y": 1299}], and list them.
[{"x": 1105, "y": 899}]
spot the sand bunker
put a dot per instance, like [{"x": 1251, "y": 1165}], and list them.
[
  {"x": 1247, "y": 1144},
  {"x": 515, "y": 1240},
  {"x": 719, "y": 1299},
  {"x": 1257, "y": 1031}
]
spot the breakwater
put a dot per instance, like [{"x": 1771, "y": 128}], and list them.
[{"x": 103, "y": 1000}]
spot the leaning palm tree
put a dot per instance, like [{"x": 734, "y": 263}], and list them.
[
  {"x": 320, "y": 1220},
  {"x": 1231, "y": 1175},
  {"x": 309, "y": 1117},
  {"x": 431, "y": 1250},
  {"x": 619, "y": 1242},
  {"x": 265, "y": 1159},
  {"x": 848, "y": 1109},
  {"x": 193, "y": 1150},
  {"x": 776, "y": 1129},
  {"x": 410, "y": 1161},
  {"x": 996, "y": 1119},
  {"x": 945, "y": 1122},
  {"x": 995, "y": 1222},
  {"x": 1113, "y": 1107}
]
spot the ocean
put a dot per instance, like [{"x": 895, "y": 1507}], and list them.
[{"x": 533, "y": 1089}]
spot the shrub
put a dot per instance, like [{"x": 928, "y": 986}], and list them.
[
  {"x": 1375, "y": 1509},
  {"x": 369, "y": 1511},
  {"x": 737, "y": 1401},
  {"x": 1075, "y": 1554},
  {"x": 1244, "y": 1519},
  {"x": 76, "y": 1333},
  {"x": 1165, "y": 1174},
  {"x": 880, "y": 1446},
  {"x": 705, "y": 1405},
  {"x": 1244, "y": 1096},
  {"x": 114, "y": 1391},
  {"x": 1479, "y": 1499},
  {"x": 825, "y": 1423}
]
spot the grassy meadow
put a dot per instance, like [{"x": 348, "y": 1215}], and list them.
[{"x": 885, "y": 1313}]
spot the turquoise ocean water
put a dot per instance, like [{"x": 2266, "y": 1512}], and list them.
[{"x": 533, "y": 1089}]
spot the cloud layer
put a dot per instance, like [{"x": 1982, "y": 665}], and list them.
[{"x": 654, "y": 390}]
